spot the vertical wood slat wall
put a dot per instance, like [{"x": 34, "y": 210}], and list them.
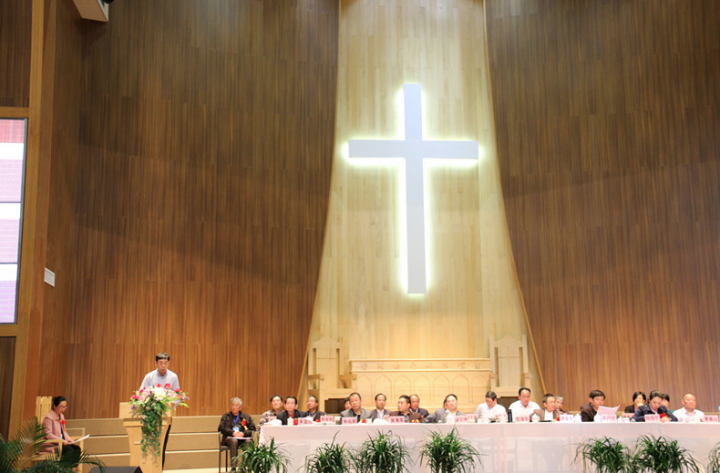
[
  {"x": 15, "y": 27},
  {"x": 205, "y": 154},
  {"x": 608, "y": 129}
]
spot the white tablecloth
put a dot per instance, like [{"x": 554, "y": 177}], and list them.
[{"x": 541, "y": 447}]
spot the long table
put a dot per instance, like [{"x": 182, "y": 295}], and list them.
[{"x": 539, "y": 447}]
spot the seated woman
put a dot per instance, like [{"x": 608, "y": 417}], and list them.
[
  {"x": 276, "y": 403},
  {"x": 447, "y": 414},
  {"x": 54, "y": 424},
  {"x": 639, "y": 398},
  {"x": 654, "y": 406}
]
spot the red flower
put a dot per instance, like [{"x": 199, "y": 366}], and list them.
[
  {"x": 295, "y": 422},
  {"x": 158, "y": 385},
  {"x": 662, "y": 414},
  {"x": 167, "y": 386},
  {"x": 62, "y": 421},
  {"x": 177, "y": 390},
  {"x": 244, "y": 423}
]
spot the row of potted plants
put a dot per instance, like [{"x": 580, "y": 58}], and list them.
[
  {"x": 651, "y": 454},
  {"x": 384, "y": 452},
  {"x": 449, "y": 453}
]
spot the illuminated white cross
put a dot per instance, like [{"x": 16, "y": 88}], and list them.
[{"x": 414, "y": 149}]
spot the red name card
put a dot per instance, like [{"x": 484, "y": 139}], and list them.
[
  {"x": 305, "y": 421},
  {"x": 712, "y": 419},
  {"x": 396, "y": 419},
  {"x": 325, "y": 419},
  {"x": 522, "y": 419},
  {"x": 349, "y": 420},
  {"x": 652, "y": 418}
]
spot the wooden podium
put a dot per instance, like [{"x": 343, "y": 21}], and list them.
[{"x": 150, "y": 463}]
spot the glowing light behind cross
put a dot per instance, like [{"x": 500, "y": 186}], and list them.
[{"x": 413, "y": 149}]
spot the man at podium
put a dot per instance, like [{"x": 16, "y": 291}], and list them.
[{"x": 162, "y": 376}]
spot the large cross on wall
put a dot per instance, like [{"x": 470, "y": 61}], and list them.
[{"x": 414, "y": 150}]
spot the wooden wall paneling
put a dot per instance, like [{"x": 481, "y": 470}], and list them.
[
  {"x": 62, "y": 225},
  {"x": 203, "y": 184},
  {"x": 473, "y": 292},
  {"x": 15, "y": 33},
  {"x": 607, "y": 125},
  {"x": 7, "y": 363}
]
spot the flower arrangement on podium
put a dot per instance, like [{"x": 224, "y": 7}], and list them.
[{"x": 150, "y": 404}]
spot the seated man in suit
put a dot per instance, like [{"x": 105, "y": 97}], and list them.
[
  {"x": 379, "y": 412},
  {"x": 356, "y": 409},
  {"x": 404, "y": 410},
  {"x": 312, "y": 405},
  {"x": 490, "y": 410},
  {"x": 559, "y": 401},
  {"x": 549, "y": 411},
  {"x": 447, "y": 413},
  {"x": 589, "y": 411},
  {"x": 523, "y": 406},
  {"x": 290, "y": 411},
  {"x": 654, "y": 406},
  {"x": 236, "y": 428},
  {"x": 415, "y": 406},
  {"x": 688, "y": 413}
]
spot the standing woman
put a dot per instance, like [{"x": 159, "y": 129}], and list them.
[{"x": 54, "y": 424}]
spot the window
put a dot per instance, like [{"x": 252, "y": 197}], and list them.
[{"x": 12, "y": 166}]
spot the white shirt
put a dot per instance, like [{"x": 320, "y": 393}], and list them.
[
  {"x": 548, "y": 416},
  {"x": 518, "y": 409},
  {"x": 449, "y": 417},
  {"x": 153, "y": 378},
  {"x": 490, "y": 413},
  {"x": 683, "y": 415}
]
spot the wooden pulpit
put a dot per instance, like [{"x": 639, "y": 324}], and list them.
[{"x": 149, "y": 463}]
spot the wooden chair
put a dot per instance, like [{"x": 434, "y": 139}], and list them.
[
  {"x": 325, "y": 372},
  {"x": 509, "y": 366},
  {"x": 224, "y": 448}
]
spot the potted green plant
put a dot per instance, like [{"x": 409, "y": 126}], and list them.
[
  {"x": 714, "y": 460},
  {"x": 449, "y": 454},
  {"x": 263, "y": 458},
  {"x": 660, "y": 455},
  {"x": 21, "y": 453},
  {"x": 383, "y": 453},
  {"x": 329, "y": 458},
  {"x": 605, "y": 454}
]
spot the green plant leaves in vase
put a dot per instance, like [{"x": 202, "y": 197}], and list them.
[
  {"x": 449, "y": 454},
  {"x": 263, "y": 458},
  {"x": 660, "y": 455},
  {"x": 606, "y": 455},
  {"x": 383, "y": 453},
  {"x": 329, "y": 458},
  {"x": 20, "y": 453},
  {"x": 714, "y": 460}
]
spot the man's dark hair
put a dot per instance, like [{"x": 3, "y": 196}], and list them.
[
  {"x": 291, "y": 397},
  {"x": 547, "y": 396},
  {"x": 406, "y": 397},
  {"x": 491, "y": 395},
  {"x": 380, "y": 394},
  {"x": 313, "y": 397},
  {"x": 595, "y": 393},
  {"x": 57, "y": 400},
  {"x": 354, "y": 394},
  {"x": 162, "y": 356},
  {"x": 523, "y": 389},
  {"x": 277, "y": 396},
  {"x": 654, "y": 394}
]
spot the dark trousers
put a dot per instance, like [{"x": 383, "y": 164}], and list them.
[
  {"x": 235, "y": 444},
  {"x": 167, "y": 434},
  {"x": 70, "y": 448}
]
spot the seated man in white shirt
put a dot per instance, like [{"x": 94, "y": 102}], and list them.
[
  {"x": 688, "y": 413},
  {"x": 379, "y": 412},
  {"x": 523, "y": 406},
  {"x": 490, "y": 410},
  {"x": 549, "y": 411}
]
